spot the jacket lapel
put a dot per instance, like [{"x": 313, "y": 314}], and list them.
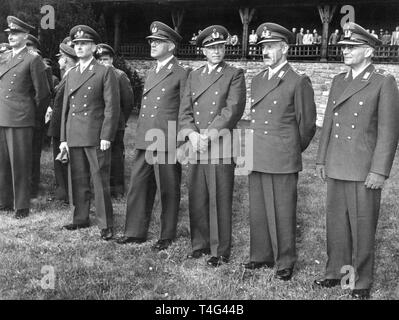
[
  {"x": 361, "y": 81},
  {"x": 154, "y": 78},
  {"x": 13, "y": 61},
  {"x": 269, "y": 85},
  {"x": 207, "y": 80},
  {"x": 78, "y": 79}
]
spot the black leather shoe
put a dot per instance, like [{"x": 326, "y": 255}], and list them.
[
  {"x": 74, "y": 226},
  {"x": 252, "y": 265},
  {"x": 6, "y": 208},
  {"x": 217, "y": 261},
  {"x": 21, "y": 213},
  {"x": 284, "y": 274},
  {"x": 327, "y": 283},
  {"x": 196, "y": 254},
  {"x": 106, "y": 234},
  {"x": 361, "y": 294},
  {"x": 162, "y": 244},
  {"x": 125, "y": 240}
]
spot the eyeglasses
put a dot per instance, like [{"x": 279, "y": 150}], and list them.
[{"x": 155, "y": 42}]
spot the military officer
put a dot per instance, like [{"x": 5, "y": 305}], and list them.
[
  {"x": 213, "y": 103},
  {"x": 24, "y": 93},
  {"x": 67, "y": 60},
  {"x": 89, "y": 121},
  {"x": 283, "y": 116},
  {"x": 154, "y": 166},
  {"x": 105, "y": 55},
  {"x": 356, "y": 150},
  {"x": 33, "y": 44}
]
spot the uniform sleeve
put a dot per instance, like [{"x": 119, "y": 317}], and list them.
[
  {"x": 41, "y": 87},
  {"x": 325, "y": 131},
  {"x": 111, "y": 96},
  {"x": 186, "y": 113},
  {"x": 388, "y": 129},
  {"x": 235, "y": 105},
  {"x": 126, "y": 95},
  {"x": 64, "y": 112},
  {"x": 305, "y": 109}
]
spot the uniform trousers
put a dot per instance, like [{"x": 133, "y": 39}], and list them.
[
  {"x": 15, "y": 166},
  {"x": 117, "y": 181},
  {"x": 273, "y": 203},
  {"x": 60, "y": 172},
  {"x": 210, "y": 206},
  {"x": 147, "y": 176},
  {"x": 37, "y": 142},
  {"x": 86, "y": 163},
  {"x": 352, "y": 216}
]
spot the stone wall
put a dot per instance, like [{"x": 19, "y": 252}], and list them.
[{"x": 321, "y": 75}]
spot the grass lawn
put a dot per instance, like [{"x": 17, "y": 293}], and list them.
[{"x": 89, "y": 268}]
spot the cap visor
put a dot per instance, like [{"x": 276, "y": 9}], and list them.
[
  {"x": 157, "y": 37},
  {"x": 83, "y": 39},
  {"x": 214, "y": 43},
  {"x": 352, "y": 42},
  {"x": 270, "y": 40}
]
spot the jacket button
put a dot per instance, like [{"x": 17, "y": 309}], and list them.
[
  {"x": 336, "y": 113},
  {"x": 197, "y": 122},
  {"x": 253, "y": 120},
  {"x": 266, "y": 132},
  {"x": 197, "y": 112},
  {"x": 196, "y": 103},
  {"x": 85, "y": 105},
  {"x": 337, "y": 124},
  {"x": 70, "y": 90},
  {"x": 349, "y": 138},
  {"x": 152, "y": 116},
  {"x": 163, "y": 89},
  {"x": 336, "y": 136},
  {"x": 334, "y": 102},
  {"x": 253, "y": 110},
  {"x": 12, "y": 82},
  {"x": 193, "y": 93},
  {"x": 270, "y": 111},
  {"x": 85, "y": 96},
  {"x": 158, "y": 98},
  {"x": 353, "y": 126},
  {"x": 6, "y": 97},
  {"x": 209, "y": 122},
  {"x": 73, "y": 106},
  {"x": 85, "y": 113},
  {"x": 145, "y": 98},
  {"x": 144, "y": 106},
  {"x": 252, "y": 100},
  {"x": 14, "y": 75},
  {"x": 9, "y": 89},
  {"x": 361, "y": 103},
  {"x": 89, "y": 88},
  {"x": 355, "y": 114},
  {"x": 155, "y": 107},
  {"x": 211, "y": 112},
  {"x": 266, "y": 122},
  {"x": 213, "y": 102},
  {"x": 142, "y": 115},
  {"x": 73, "y": 114},
  {"x": 216, "y": 92},
  {"x": 275, "y": 102},
  {"x": 72, "y": 97}
]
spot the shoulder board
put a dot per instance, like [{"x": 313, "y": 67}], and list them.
[
  {"x": 198, "y": 68},
  {"x": 184, "y": 66},
  {"x": 262, "y": 72},
  {"x": 32, "y": 52},
  {"x": 382, "y": 72}
]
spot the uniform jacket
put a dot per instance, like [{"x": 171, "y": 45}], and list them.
[
  {"x": 360, "y": 130},
  {"x": 214, "y": 102},
  {"x": 283, "y": 120},
  {"x": 91, "y": 106},
  {"x": 126, "y": 95},
  {"x": 160, "y": 104},
  {"x": 54, "y": 129},
  {"x": 24, "y": 90}
]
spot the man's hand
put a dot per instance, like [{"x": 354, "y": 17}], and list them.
[
  {"x": 204, "y": 140},
  {"x": 374, "y": 181},
  {"x": 64, "y": 146},
  {"x": 48, "y": 115},
  {"x": 104, "y": 145},
  {"x": 194, "y": 139},
  {"x": 321, "y": 171}
]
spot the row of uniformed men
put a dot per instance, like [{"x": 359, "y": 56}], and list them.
[{"x": 360, "y": 120}]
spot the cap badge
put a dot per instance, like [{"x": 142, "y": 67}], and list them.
[
  {"x": 348, "y": 33},
  {"x": 266, "y": 33},
  {"x": 215, "y": 34},
  {"x": 154, "y": 29},
  {"x": 100, "y": 50},
  {"x": 79, "y": 34},
  {"x": 69, "y": 43},
  {"x": 12, "y": 25}
]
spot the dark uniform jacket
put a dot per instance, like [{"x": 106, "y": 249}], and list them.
[
  {"x": 126, "y": 95},
  {"x": 360, "y": 129},
  {"x": 160, "y": 104},
  {"x": 283, "y": 120},
  {"x": 214, "y": 102},
  {"x": 24, "y": 90},
  {"x": 54, "y": 129},
  {"x": 90, "y": 111}
]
